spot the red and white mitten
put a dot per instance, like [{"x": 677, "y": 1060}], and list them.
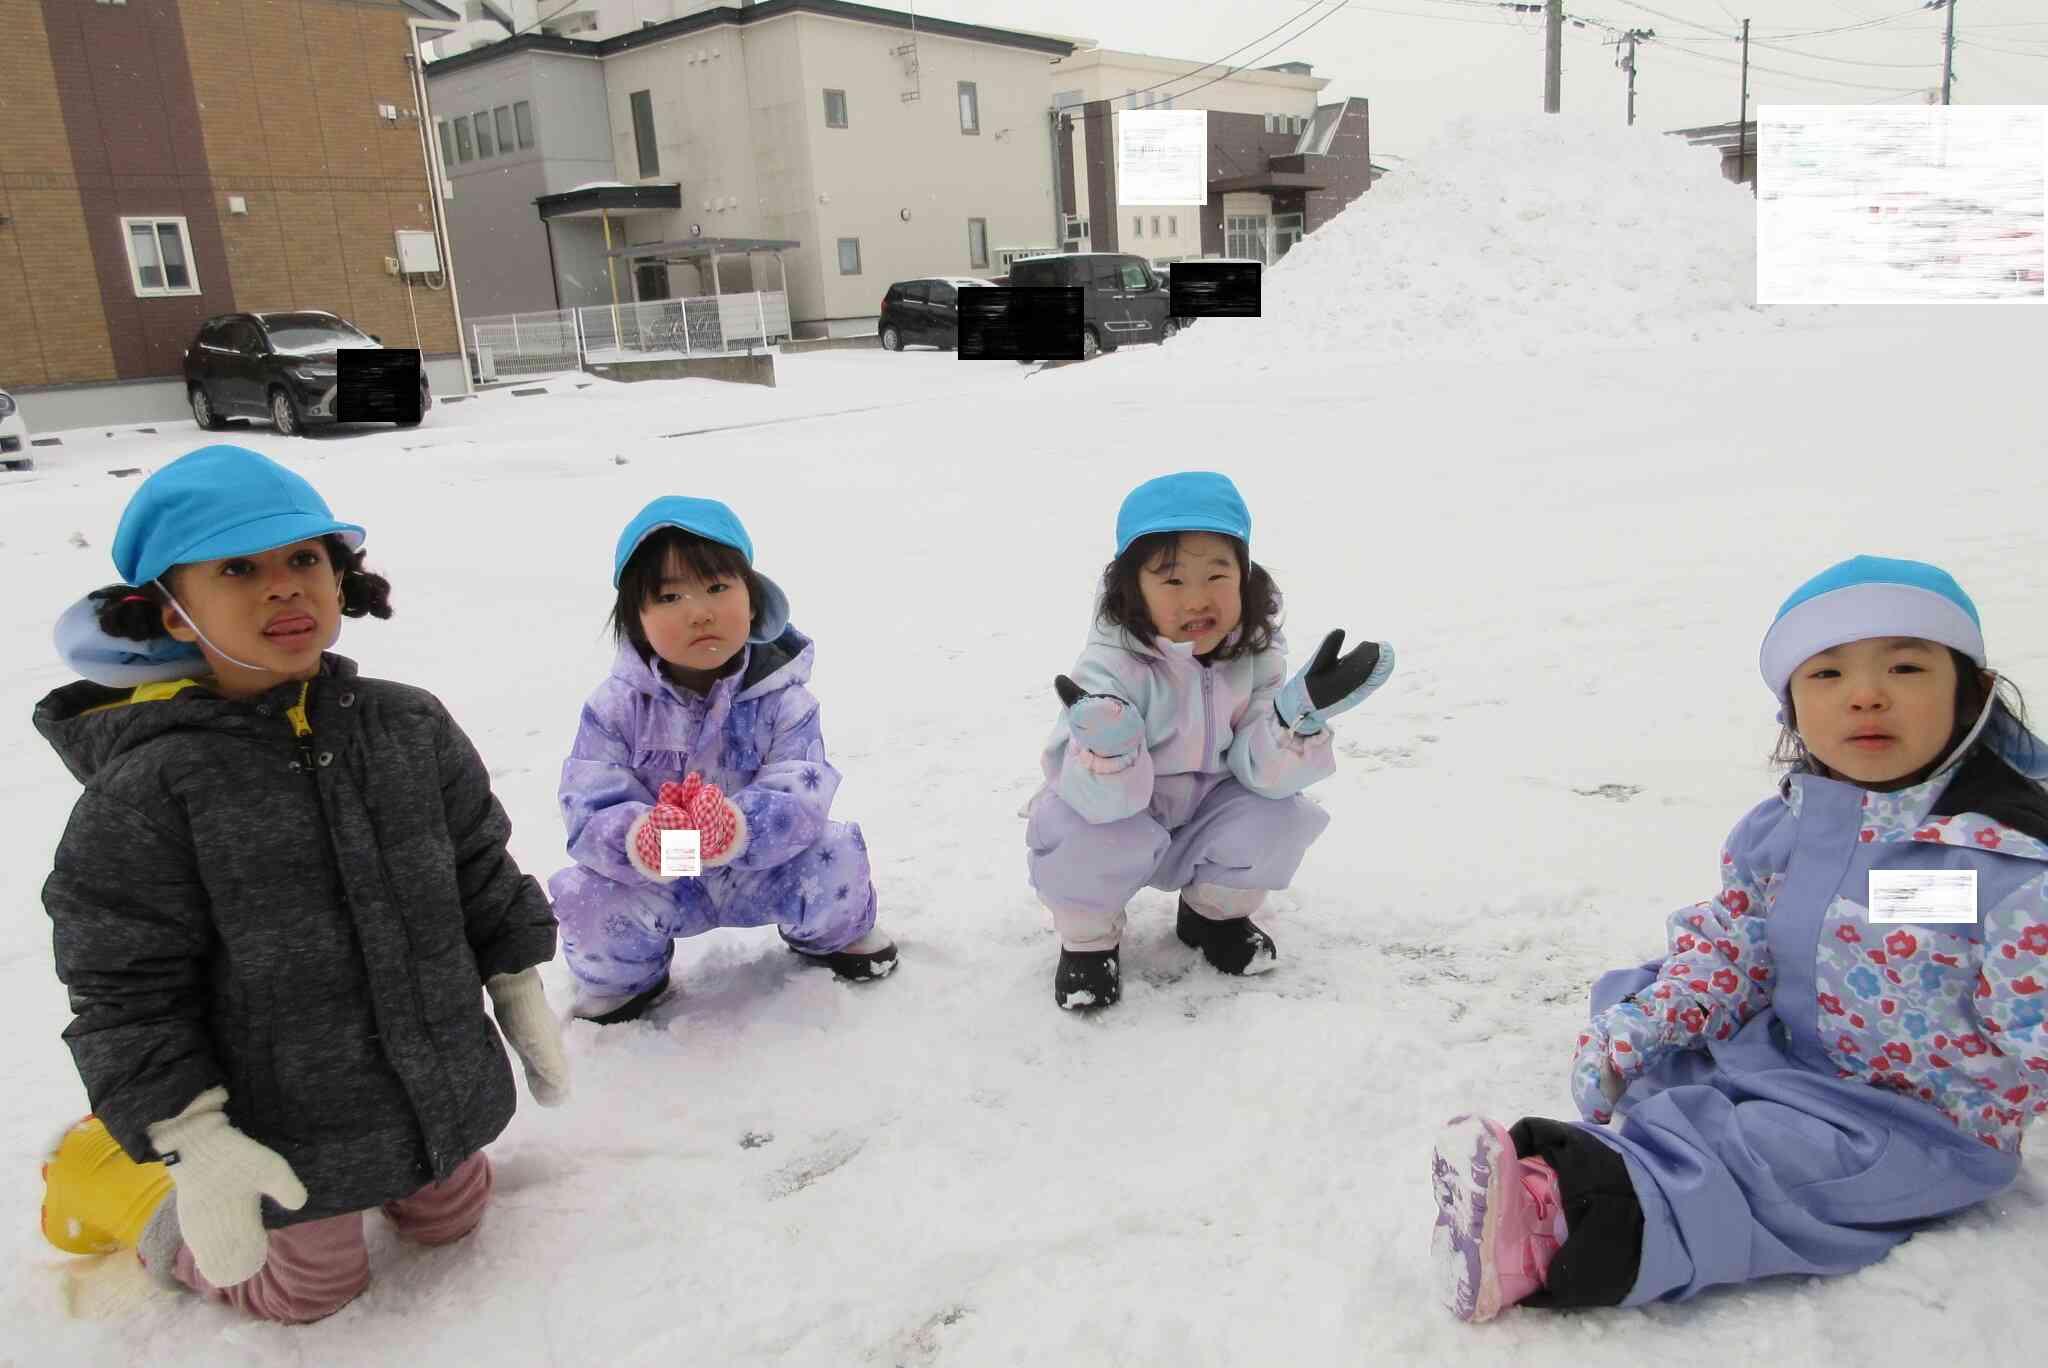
[
  {"x": 643, "y": 838},
  {"x": 680, "y": 795},
  {"x": 723, "y": 826}
]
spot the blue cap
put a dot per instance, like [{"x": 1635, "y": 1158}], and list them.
[
  {"x": 1864, "y": 597},
  {"x": 1192, "y": 501},
  {"x": 713, "y": 521},
  {"x": 216, "y": 502}
]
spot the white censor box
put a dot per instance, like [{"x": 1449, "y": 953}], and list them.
[
  {"x": 682, "y": 854},
  {"x": 1923, "y": 895},
  {"x": 1162, "y": 157}
]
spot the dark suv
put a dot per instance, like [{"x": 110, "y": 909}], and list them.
[
  {"x": 923, "y": 311},
  {"x": 1121, "y": 300},
  {"x": 279, "y": 366}
]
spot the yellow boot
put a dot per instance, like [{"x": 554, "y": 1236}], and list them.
[{"x": 95, "y": 1198}]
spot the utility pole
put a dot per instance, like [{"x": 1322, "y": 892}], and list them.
[
  {"x": 1742, "y": 123},
  {"x": 1628, "y": 64},
  {"x": 1948, "y": 53},
  {"x": 1553, "y": 54}
]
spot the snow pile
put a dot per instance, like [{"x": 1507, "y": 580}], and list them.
[{"x": 1518, "y": 235}]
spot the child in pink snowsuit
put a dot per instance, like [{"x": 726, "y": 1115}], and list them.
[{"x": 1179, "y": 760}]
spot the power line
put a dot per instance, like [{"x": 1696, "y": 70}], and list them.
[
  {"x": 1851, "y": 28},
  {"x": 1846, "y": 61},
  {"x": 1294, "y": 37},
  {"x": 1779, "y": 71},
  {"x": 2010, "y": 52},
  {"x": 1131, "y": 94}
]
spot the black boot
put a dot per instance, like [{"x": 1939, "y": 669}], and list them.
[
  {"x": 1602, "y": 1251},
  {"x": 873, "y": 956},
  {"x": 1087, "y": 979},
  {"x": 1236, "y": 946},
  {"x": 633, "y": 1008}
]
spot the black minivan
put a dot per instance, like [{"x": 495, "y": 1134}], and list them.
[
  {"x": 923, "y": 312},
  {"x": 1122, "y": 301}
]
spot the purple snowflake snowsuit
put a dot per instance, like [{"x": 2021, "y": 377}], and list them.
[{"x": 756, "y": 736}]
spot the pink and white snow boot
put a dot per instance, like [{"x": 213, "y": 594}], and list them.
[{"x": 1499, "y": 1219}]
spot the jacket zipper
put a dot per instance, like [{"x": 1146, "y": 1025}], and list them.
[{"x": 1208, "y": 717}]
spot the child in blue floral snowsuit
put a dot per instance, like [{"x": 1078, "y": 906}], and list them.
[{"x": 1842, "y": 1046}]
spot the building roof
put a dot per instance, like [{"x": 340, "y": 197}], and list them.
[
  {"x": 601, "y": 197},
  {"x": 688, "y": 249},
  {"x": 1723, "y": 135},
  {"x": 727, "y": 16},
  {"x": 428, "y": 9}
]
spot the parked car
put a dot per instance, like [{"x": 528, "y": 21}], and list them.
[
  {"x": 923, "y": 312},
  {"x": 13, "y": 436},
  {"x": 1121, "y": 300},
  {"x": 279, "y": 366},
  {"x": 1164, "y": 270}
]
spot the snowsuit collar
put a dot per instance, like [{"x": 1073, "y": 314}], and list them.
[
  {"x": 91, "y": 725},
  {"x": 1177, "y": 653},
  {"x": 764, "y": 668}
]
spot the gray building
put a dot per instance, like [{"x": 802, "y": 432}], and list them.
[{"x": 552, "y": 106}]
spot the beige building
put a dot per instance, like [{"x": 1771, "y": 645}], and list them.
[
  {"x": 883, "y": 147},
  {"x": 1272, "y": 111}
]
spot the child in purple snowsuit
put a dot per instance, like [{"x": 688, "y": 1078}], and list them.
[
  {"x": 1841, "y": 1047},
  {"x": 1180, "y": 756},
  {"x": 704, "y": 724}
]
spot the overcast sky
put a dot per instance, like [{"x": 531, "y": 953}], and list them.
[{"x": 1422, "y": 62}]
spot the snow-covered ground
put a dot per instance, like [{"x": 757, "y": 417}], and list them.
[{"x": 1576, "y": 553}]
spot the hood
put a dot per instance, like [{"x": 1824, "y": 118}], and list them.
[
  {"x": 91, "y": 725},
  {"x": 769, "y": 666},
  {"x": 115, "y": 661}
]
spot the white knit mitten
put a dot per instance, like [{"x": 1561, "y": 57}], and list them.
[
  {"x": 534, "y": 1034},
  {"x": 221, "y": 1177}
]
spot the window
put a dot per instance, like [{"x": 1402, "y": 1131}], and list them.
[
  {"x": 945, "y": 294},
  {"x": 977, "y": 243},
  {"x": 835, "y": 109},
  {"x": 642, "y": 102},
  {"x": 1244, "y": 235},
  {"x": 447, "y": 142},
  {"x": 503, "y": 115},
  {"x": 970, "y": 108},
  {"x": 484, "y": 145},
  {"x": 1173, "y": 225},
  {"x": 522, "y": 116},
  {"x": 242, "y": 337},
  {"x": 849, "y": 256},
  {"x": 1137, "y": 226},
  {"x": 159, "y": 257},
  {"x": 1133, "y": 277},
  {"x": 1155, "y": 225},
  {"x": 464, "y": 150}
]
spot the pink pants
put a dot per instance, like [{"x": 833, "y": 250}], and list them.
[{"x": 312, "y": 1270}]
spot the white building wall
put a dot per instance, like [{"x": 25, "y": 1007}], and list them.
[{"x": 896, "y": 156}]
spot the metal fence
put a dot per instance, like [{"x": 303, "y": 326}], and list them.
[{"x": 541, "y": 343}]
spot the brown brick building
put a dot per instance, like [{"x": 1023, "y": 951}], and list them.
[{"x": 166, "y": 160}]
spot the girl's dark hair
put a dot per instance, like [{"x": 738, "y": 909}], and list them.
[
  {"x": 649, "y": 564},
  {"x": 1123, "y": 602},
  {"x": 1970, "y": 699},
  {"x": 136, "y": 612}
]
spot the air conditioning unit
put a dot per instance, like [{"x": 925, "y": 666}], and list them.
[{"x": 1077, "y": 229}]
